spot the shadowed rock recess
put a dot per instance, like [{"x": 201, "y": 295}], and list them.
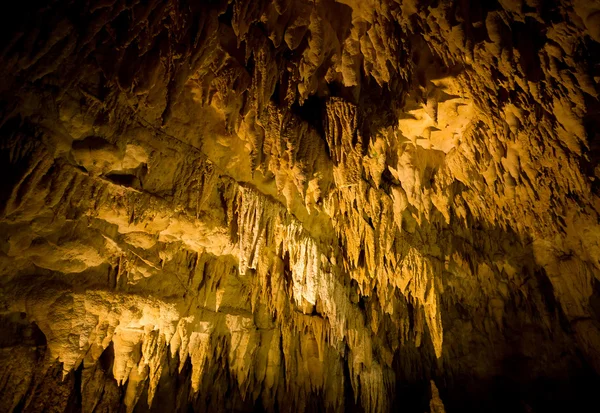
[{"x": 300, "y": 205}]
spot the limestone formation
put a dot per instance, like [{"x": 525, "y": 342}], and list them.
[{"x": 300, "y": 205}]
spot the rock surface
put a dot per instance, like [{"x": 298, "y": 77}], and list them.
[{"x": 300, "y": 205}]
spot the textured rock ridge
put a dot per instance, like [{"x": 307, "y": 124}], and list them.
[{"x": 300, "y": 205}]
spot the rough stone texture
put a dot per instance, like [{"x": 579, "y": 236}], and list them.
[{"x": 300, "y": 205}]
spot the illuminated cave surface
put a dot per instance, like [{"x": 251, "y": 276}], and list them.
[{"x": 300, "y": 206}]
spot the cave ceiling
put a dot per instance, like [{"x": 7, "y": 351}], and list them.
[{"x": 299, "y": 205}]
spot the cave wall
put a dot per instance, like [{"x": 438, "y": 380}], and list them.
[{"x": 299, "y": 205}]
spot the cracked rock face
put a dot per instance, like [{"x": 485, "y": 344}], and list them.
[{"x": 300, "y": 205}]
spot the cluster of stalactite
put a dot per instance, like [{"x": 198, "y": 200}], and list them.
[{"x": 299, "y": 205}]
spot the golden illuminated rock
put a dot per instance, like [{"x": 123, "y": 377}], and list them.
[{"x": 300, "y": 205}]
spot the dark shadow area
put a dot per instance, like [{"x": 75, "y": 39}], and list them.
[
  {"x": 591, "y": 123},
  {"x": 16, "y": 330},
  {"x": 523, "y": 364},
  {"x": 17, "y": 154},
  {"x": 312, "y": 111}
]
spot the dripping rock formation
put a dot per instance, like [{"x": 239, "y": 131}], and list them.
[{"x": 300, "y": 205}]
